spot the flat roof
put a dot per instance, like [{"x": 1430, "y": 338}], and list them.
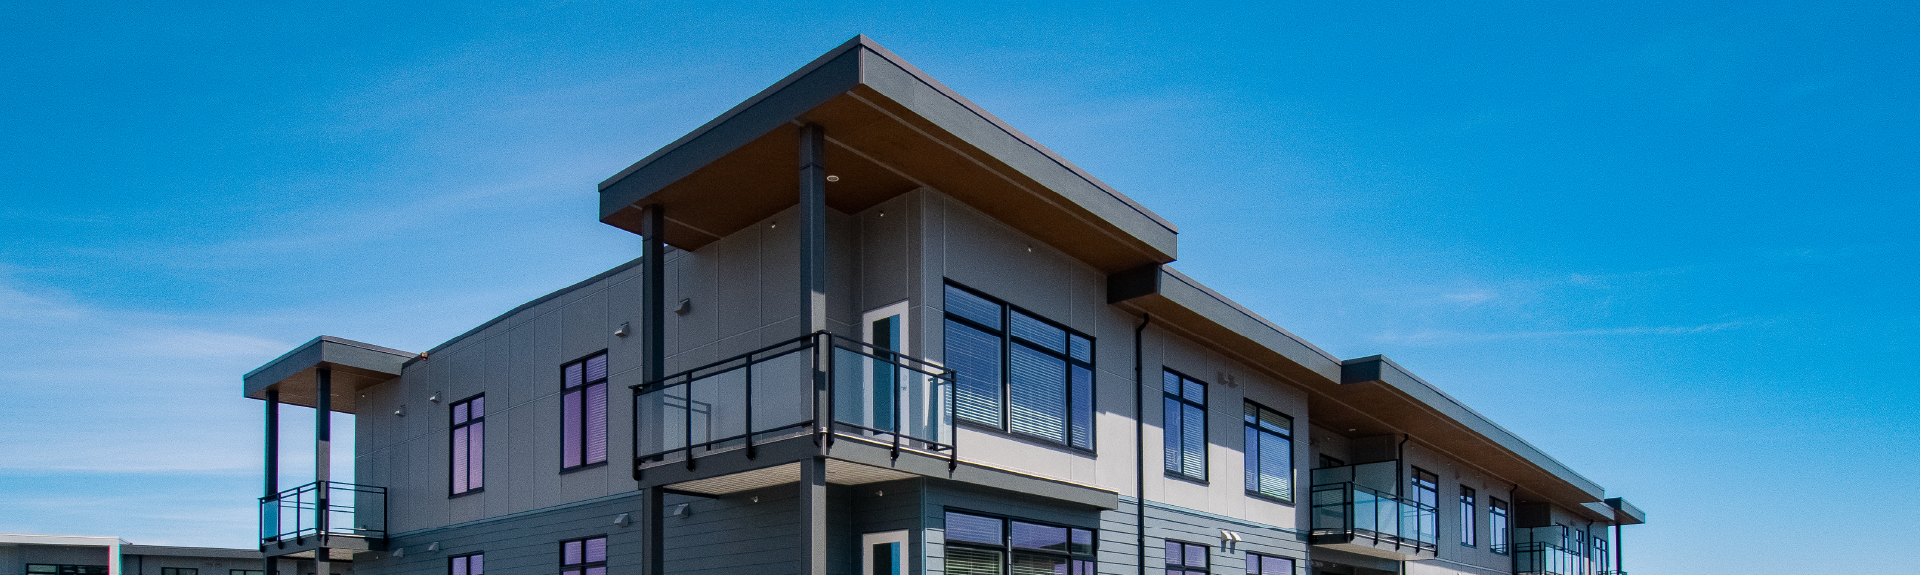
[
  {"x": 354, "y": 365},
  {"x": 890, "y": 129}
]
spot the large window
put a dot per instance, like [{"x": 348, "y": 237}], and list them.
[
  {"x": 1469, "y": 517},
  {"x": 1019, "y": 372},
  {"x": 1426, "y": 492},
  {"x": 55, "y": 569},
  {"x": 1600, "y": 552},
  {"x": 1268, "y": 565},
  {"x": 1497, "y": 526},
  {"x": 179, "y": 571},
  {"x": 1186, "y": 426},
  {"x": 584, "y": 556},
  {"x": 469, "y": 564},
  {"x": 981, "y": 545},
  {"x": 1186, "y": 559},
  {"x": 583, "y": 412},
  {"x": 1269, "y": 453},
  {"x": 469, "y": 443}
]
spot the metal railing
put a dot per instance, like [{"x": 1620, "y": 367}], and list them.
[
  {"x": 769, "y": 393},
  {"x": 324, "y": 507},
  {"x": 1543, "y": 558},
  {"x": 1347, "y": 511}
]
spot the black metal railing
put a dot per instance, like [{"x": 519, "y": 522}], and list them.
[
  {"x": 1350, "y": 506},
  {"x": 324, "y": 507},
  {"x": 869, "y": 393},
  {"x": 1543, "y": 558}
]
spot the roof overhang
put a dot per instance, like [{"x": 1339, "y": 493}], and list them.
[
  {"x": 890, "y": 129},
  {"x": 1625, "y": 513},
  {"x": 353, "y": 365},
  {"x": 1362, "y": 397}
]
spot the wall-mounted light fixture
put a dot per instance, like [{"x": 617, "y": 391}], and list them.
[
  {"x": 623, "y": 520},
  {"x": 622, "y": 331},
  {"x": 685, "y": 305},
  {"x": 401, "y": 412}
]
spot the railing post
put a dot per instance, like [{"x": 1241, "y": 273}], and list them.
[{"x": 749, "y": 407}]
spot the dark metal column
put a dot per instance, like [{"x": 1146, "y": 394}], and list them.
[
  {"x": 322, "y": 460},
  {"x": 653, "y": 330},
  {"x": 272, "y": 471},
  {"x": 1619, "y": 554},
  {"x": 813, "y": 507},
  {"x": 813, "y": 228}
]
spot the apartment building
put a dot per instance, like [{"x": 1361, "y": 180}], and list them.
[
  {"x": 37, "y": 554},
  {"x": 874, "y": 329}
]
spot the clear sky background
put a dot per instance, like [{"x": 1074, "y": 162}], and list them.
[{"x": 1673, "y": 244}]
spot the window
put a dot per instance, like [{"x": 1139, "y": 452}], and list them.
[
  {"x": 1497, "y": 525},
  {"x": 46, "y": 569},
  {"x": 1327, "y": 462},
  {"x": 1019, "y": 372},
  {"x": 469, "y": 564},
  {"x": 1186, "y": 558},
  {"x": 179, "y": 571},
  {"x": 1469, "y": 517},
  {"x": 981, "y": 545},
  {"x": 1186, "y": 426},
  {"x": 584, "y": 556},
  {"x": 1600, "y": 552},
  {"x": 1426, "y": 493},
  {"x": 1269, "y": 453},
  {"x": 1268, "y": 565},
  {"x": 246, "y": 572},
  {"x": 583, "y": 412},
  {"x": 469, "y": 443}
]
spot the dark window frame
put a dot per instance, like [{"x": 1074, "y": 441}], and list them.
[
  {"x": 472, "y": 446},
  {"x": 1252, "y": 430},
  {"x": 1172, "y": 567},
  {"x": 468, "y": 558},
  {"x": 64, "y": 569},
  {"x": 585, "y": 385},
  {"x": 1469, "y": 517},
  {"x": 1253, "y": 561},
  {"x": 1006, "y": 548},
  {"x": 1206, "y": 419},
  {"x": 1499, "y": 524},
  {"x": 584, "y": 564},
  {"x": 179, "y": 571},
  {"x": 1007, "y": 340}
]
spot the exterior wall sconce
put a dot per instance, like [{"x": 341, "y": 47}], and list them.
[
  {"x": 622, "y": 331},
  {"x": 401, "y": 412},
  {"x": 685, "y": 305},
  {"x": 623, "y": 520}
]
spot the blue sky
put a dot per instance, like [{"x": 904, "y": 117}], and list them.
[{"x": 1670, "y": 243}]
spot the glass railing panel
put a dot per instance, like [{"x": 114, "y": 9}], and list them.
[
  {"x": 926, "y": 412},
  {"x": 783, "y": 390}
]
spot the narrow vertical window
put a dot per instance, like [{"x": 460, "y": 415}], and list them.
[
  {"x": 1469, "y": 517},
  {"x": 1268, "y": 565},
  {"x": 584, "y": 556},
  {"x": 583, "y": 412},
  {"x": 469, "y": 444},
  {"x": 1186, "y": 425},
  {"x": 1269, "y": 453},
  {"x": 1497, "y": 526},
  {"x": 469, "y": 564},
  {"x": 1426, "y": 493},
  {"x": 1186, "y": 559}
]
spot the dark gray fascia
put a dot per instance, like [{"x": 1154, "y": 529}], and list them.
[
  {"x": 1192, "y": 295},
  {"x": 861, "y": 61},
  {"x": 1625, "y": 513},
  {"x": 1379, "y": 368},
  {"x": 325, "y": 349}
]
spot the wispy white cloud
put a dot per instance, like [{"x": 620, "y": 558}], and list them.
[{"x": 1430, "y": 337}]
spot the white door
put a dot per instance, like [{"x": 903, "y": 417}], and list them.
[
  {"x": 884, "y": 553},
  {"x": 885, "y": 329}
]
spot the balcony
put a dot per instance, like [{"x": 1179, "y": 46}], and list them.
[
  {"x": 1355, "y": 510},
  {"x": 323, "y": 514},
  {"x": 748, "y": 402},
  {"x": 1544, "y": 551}
]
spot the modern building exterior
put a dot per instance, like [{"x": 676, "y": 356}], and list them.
[
  {"x": 876, "y": 330},
  {"x": 27, "y": 554}
]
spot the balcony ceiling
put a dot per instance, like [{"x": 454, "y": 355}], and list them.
[
  {"x": 354, "y": 366},
  {"x": 890, "y": 129}
]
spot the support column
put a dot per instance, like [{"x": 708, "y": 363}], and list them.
[
  {"x": 813, "y": 228},
  {"x": 1619, "y": 551},
  {"x": 322, "y": 461},
  {"x": 653, "y": 331},
  {"x": 813, "y": 511},
  {"x": 272, "y": 480}
]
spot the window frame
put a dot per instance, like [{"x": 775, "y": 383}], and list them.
[
  {"x": 582, "y": 567},
  {"x": 1469, "y": 517},
  {"x": 1252, "y": 429},
  {"x": 246, "y": 572},
  {"x": 179, "y": 571},
  {"x": 454, "y": 427},
  {"x": 1007, "y": 341},
  {"x": 1169, "y": 567},
  {"x": 1006, "y": 548},
  {"x": 1206, "y": 419},
  {"x": 605, "y": 404},
  {"x": 1253, "y": 559},
  {"x": 468, "y": 557},
  {"x": 1499, "y": 526}
]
